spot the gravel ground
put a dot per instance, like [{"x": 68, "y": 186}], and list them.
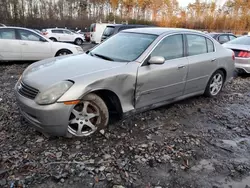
[{"x": 199, "y": 142}]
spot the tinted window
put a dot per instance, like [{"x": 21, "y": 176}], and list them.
[
  {"x": 124, "y": 46},
  {"x": 28, "y": 35},
  {"x": 244, "y": 40},
  {"x": 108, "y": 31},
  {"x": 67, "y": 32},
  {"x": 170, "y": 48},
  {"x": 196, "y": 45},
  {"x": 92, "y": 27},
  {"x": 57, "y": 31},
  {"x": 7, "y": 34},
  {"x": 210, "y": 46},
  {"x": 231, "y": 37},
  {"x": 223, "y": 38}
]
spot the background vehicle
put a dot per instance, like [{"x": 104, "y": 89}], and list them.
[
  {"x": 116, "y": 28},
  {"x": 18, "y": 44},
  {"x": 223, "y": 37},
  {"x": 241, "y": 48},
  {"x": 96, "y": 31},
  {"x": 63, "y": 35},
  {"x": 134, "y": 70}
]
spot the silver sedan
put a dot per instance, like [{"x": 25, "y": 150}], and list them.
[
  {"x": 133, "y": 71},
  {"x": 241, "y": 48}
]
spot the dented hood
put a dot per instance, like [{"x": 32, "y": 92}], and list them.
[{"x": 51, "y": 71}]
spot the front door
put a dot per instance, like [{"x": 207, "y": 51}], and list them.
[
  {"x": 159, "y": 83},
  {"x": 33, "y": 47}
]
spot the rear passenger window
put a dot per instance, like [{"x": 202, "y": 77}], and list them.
[
  {"x": 210, "y": 46},
  {"x": 170, "y": 48},
  {"x": 196, "y": 45},
  {"x": 7, "y": 33},
  {"x": 231, "y": 37},
  {"x": 57, "y": 31}
]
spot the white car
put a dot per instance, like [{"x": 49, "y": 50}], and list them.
[
  {"x": 96, "y": 31},
  {"x": 63, "y": 35},
  {"x": 19, "y": 44}
]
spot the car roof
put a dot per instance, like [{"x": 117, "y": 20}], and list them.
[
  {"x": 12, "y": 27},
  {"x": 160, "y": 30}
]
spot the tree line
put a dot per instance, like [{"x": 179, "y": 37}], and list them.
[{"x": 233, "y": 16}]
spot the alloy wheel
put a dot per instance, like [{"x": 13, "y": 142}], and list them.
[
  {"x": 216, "y": 84},
  {"x": 84, "y": 119}
]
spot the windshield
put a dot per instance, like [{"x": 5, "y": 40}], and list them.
[
  {"x": 124, "y": 47},
  {"x": 245, "y": 40},
  {"x": 108, "y": 31}
]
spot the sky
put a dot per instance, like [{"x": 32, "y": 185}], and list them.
[{"x": 184, "y": 3}]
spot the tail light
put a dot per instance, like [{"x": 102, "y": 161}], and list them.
[
  {"x": 244, "y": 54},
  {"x": 233, "y": 56},
  {"x": 45, "y": 33}
]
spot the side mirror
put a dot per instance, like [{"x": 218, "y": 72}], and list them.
[{"x": 158, "y": 60}]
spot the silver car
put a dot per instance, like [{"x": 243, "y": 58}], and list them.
[
  {"x": 241, "y": 48},
  {"x": 133, "y": 71}
]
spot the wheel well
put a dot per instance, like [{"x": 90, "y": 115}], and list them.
[
  {"x": 62, "y": 50},
  {"x": 224, "y": 72},
  {"x": 52, "y": 38},
  {"x": 112, "y": 101},
  {"x": 78, "y": 38}
]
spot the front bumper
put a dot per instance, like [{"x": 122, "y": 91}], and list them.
[
  {"x": 243, "y": 64},
  {"x": 52, "y": 119}
]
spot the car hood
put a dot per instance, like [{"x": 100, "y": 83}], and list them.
[
  {"x": 237, "y": 46},
  {"x": 47, "y": 72},
  {"x": 63, "y": 45}
]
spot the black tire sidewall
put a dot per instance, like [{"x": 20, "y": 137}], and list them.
[
  {"x": 207, "y": 91},
  {"x": 78, "y": 39},
  {"x": 60, "y": 51}
]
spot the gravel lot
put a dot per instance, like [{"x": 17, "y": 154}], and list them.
[{"x": 199, "y": 142}]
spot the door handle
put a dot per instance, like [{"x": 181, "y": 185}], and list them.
[
  {"x": 181, "y": 66},
  {"x": 213, "y": 60}
]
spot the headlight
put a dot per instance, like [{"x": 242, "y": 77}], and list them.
[
  {"x": 51, "y": 95},
  {"x": 79, "y": 49}
]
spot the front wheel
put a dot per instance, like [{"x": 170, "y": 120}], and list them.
[
  {"x": 78, "y": 41},
  {"x": 88, "y": 116},
  {"x": 63, "y": 52},
  {"x": 215, "y": 84}
]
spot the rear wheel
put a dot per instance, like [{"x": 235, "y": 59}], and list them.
[
  {"x": 88, "y": 116},
  {"x": 53, "y": 39},
  {"x": 78, "y": 41},
  {"x": 63, "y": 52},
  {"x": 215, "y": 84}
]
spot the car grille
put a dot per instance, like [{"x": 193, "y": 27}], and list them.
[{"x": 27, "y": 91}]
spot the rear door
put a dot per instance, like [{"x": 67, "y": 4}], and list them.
[
  {"x": 202, "y": 62},
  {"x": 10, "y": 48},
  {"x": 59, "y": 34},
  {"x": 33, "y": 46}
]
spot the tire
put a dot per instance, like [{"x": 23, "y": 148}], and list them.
[
  {"x": 215, "y": 84},
  {"x": 78, "y": 41},
  {"x": 53, "y": 39},
  {"x": 87, "y": 117},
  {"x": 63, "y": 52}
]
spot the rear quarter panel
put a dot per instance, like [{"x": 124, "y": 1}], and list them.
[{"x": 225, "y": 61}]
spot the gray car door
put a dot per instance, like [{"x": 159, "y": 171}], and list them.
[
  {"x": 202, "y": 62},
  {"x": 158, "y": 83}
]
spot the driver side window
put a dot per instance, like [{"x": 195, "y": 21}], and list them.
[
  {"x": 28, "y": 35},
  {"x": 170, "y": 48}
]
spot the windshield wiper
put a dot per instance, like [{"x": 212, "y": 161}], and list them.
[{"x": 102, "y": 56}]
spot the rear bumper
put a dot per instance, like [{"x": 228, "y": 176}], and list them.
[
  {"x": 243, "y": 64},
  {"x": 52, "y": 119}
]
